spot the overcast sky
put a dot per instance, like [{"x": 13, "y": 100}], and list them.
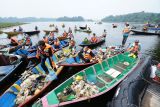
[{"x": 95, "y": 9}]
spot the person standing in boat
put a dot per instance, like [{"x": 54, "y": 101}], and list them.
[
  {"x": 65, "y": 34},
  {"x": 20, "y": 29},
  {"x": 36, "y": 28},
  {"x": 86, "y": 54},
  {"x": 51, "y": 37},
  {"x": 69, "y": 30},
  {"x": 56, "y": 28},
  {"x": 45, "y": 51},
  {"x": 75, "y": 27},
  {"x": 72, "y": 47},
  {"x": 94, "y": 38},
  {"x": 70, "y": 35},
  {"x": 104, "y": 33},
  {"x": 57, "y": 44},
  {"x": 126, "y": 32}
]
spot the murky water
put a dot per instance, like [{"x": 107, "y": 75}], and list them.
[{"x": 150, "y": 44}]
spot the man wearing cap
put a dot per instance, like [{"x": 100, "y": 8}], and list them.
[{"x": 135, "y": 48}]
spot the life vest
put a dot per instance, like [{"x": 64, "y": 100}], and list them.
[
  {"x": 94, "y": 39},
  {"x": 28, "y": 41},
  {"x": 87, "y": 54},
  {"x": 126, "y": 30},
  {"x": 45, "y": 52},
  {"x": 136, "y": 48}
]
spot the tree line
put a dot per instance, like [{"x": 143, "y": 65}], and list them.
[{"x": 134, "y": 17}]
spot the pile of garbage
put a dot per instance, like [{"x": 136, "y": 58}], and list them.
[
  {"x": 79, "y": 88},
  {"x": 31, "y": 85}
]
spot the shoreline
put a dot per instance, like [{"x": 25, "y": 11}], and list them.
[{"x": 4, "y": 25}]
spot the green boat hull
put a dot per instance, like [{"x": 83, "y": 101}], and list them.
[{"x": 105, "y": 76}]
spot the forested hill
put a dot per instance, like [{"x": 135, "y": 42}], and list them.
[
  {"x": 134, "y": 17},
  {"x": 78, "y": 18},
  {"x": 33, "y": 19}
]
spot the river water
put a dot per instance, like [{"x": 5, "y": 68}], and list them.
[{"x": 150, "y": 44}]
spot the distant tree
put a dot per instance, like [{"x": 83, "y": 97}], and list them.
[{"x": 134, "y": 17}]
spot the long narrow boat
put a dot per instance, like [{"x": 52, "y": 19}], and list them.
[
  {"x": 87, "y": 31},
  {"x": 140, "y": 89},
  {"x": 10, "y": 34},
  {"x": 83, "y": 28},
  {"x": 91, "y": 82},
  {"x": 101, "y": 41},
  {"x": 1, "y": 32},
  {"x": 32, "y": 32},
  {"x": 9, "y": 66},
  {"x": 48, "y": 31},
  {"x": 16, "y": 90},
  {"x": 153, "y": 28},
  {"x": 12, "y": 49},
  {"x": 74, "y": 62},
  {"x": 136, "y": 32},
  {"x": 62, "y": 38}
]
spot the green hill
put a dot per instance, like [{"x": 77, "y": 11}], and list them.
[{"x": 134, "y": 17}]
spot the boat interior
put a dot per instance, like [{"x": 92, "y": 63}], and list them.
[
  {"x": 151, "y": 96},
  {"x": 103, "y": 75},
  {"x": 7, "y": 64}
]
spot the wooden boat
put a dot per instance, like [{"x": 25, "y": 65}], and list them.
[
  {"x": 61, "y": 38},
  {"x": 48, "y": 31},
  {"x": 99, "y": 23},
  {"x": 136, "y": 32},
  {"x": 12, "y": 49},
  {"x": 51, "y": 25},
  {"x": 77, "y": 30},
  {"x": 82, "y": 28},
  {"x": 93, "y": 44},
  {"x": 63, "y": 44},
  {"x": 32, "y": 32},
  {"x": 74, "y": 62},
  {"x": 1, "y": 32},
  {"x": 87, "y": 31},
  {"x": 147, "y": 91},
  {"x": 11, "y": 93},
  {"x": 10, "y": 34},
  {"x": 101, "y": 77},
  {"x": 153, "y": 28},
  {"x": 114, "y": 26},
  {"x": 2, "y": 46},
  {"x": 9, "y": 66}
]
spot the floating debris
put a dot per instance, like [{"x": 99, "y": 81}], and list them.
[{"x": 79, "y": 88}]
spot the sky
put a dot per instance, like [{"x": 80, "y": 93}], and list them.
[{"x": 89, "y": 9}]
